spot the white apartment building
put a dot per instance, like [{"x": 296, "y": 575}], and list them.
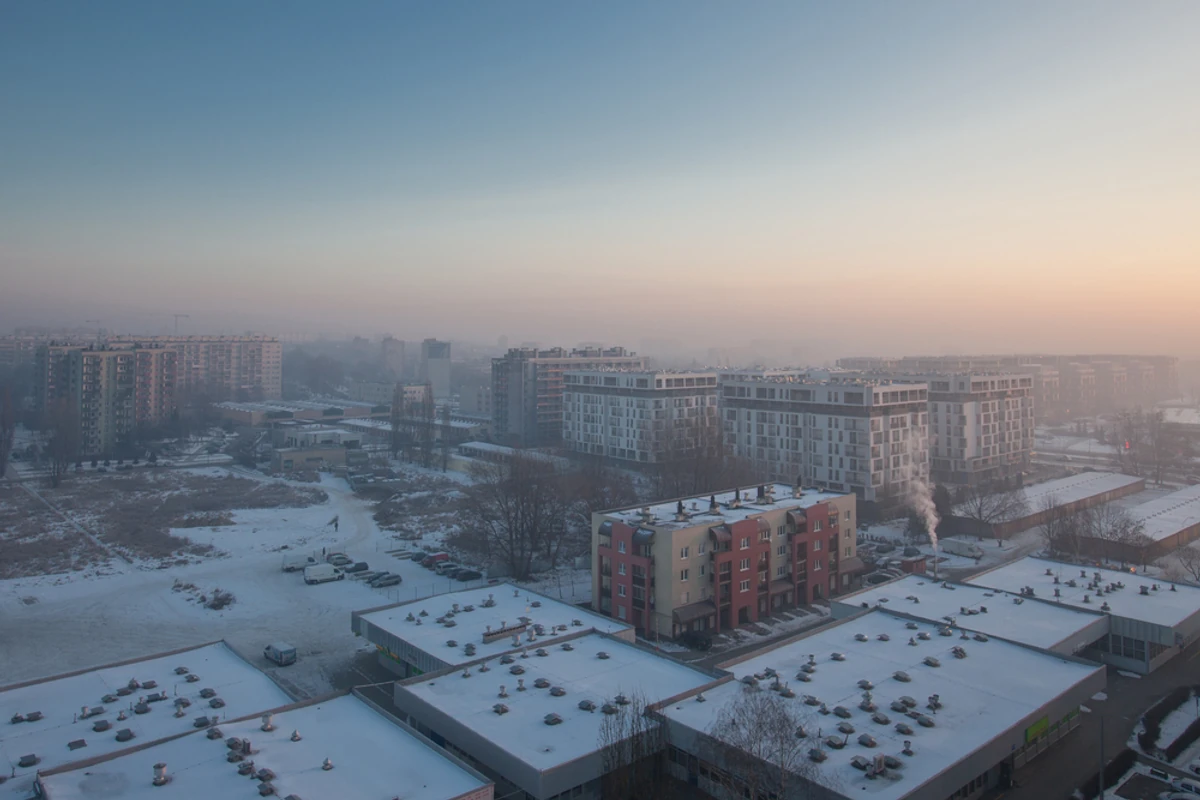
[
  {"x": 980, "y": 426},
  {"x": 639, "y": 416},
  {"x": 849, "y": 435}
]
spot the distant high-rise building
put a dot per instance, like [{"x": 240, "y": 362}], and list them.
[
  {"x": 391, "y": 352},
  {"x": 527, "y": 390},
  {"x": 111, "y": 393},
  {"x": 435, "y": 367},
  {"x": 223, "y": 367}
]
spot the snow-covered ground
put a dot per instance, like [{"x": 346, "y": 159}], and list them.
[{"x": 954, "y": 566}]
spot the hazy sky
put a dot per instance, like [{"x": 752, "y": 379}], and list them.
[{"x": 875, "y": 176}]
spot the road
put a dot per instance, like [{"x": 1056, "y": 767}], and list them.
[{"x": 1055, "y": 774}]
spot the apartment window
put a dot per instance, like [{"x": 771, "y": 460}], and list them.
[
  {"x": 701, "y": 548},
  {"x": 817, "y": 565},
  {"x": 764, "y": 536},
  {"x": 744, "y": 586},
  {"x": 683, "y": 552},
  {"x": 621, "y": 612},
  {"x": 745, "y": 542},
  {"x": 683, "y": 574},
  {"x": 620, "y": 567},
  {"x": 639, "y": 593},
  {"x": 685, "y": 598},
  {"x": 781, "y": 550},
  {"x": 620, "y": 547},
  {"x": 817, "y": 524},
  {"x": 745, "y": 565},
  {"x": 620, "y": 590},
  {"x": 817, "y": 544},
  {"x": 780, "y": 530},
  {"x": 849, "y": 552},
  {"x": 780, "y": 571}
]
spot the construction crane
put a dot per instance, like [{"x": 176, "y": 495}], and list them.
[{"x": 177, "y": 317}]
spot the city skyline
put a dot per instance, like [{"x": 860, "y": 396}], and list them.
[{"x": 571, "y": 173}]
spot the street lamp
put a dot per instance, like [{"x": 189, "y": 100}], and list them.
[{"x": 1099, "y": 697}]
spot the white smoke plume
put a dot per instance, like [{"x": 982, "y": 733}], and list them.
[{"x": 920, "y": 499}]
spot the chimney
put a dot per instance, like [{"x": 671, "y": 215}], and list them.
[
  {"x": 266, "y": 722},
  {"x": 160, "y": 774},
  {"x": 327, "y": 765},
  {"x": 295, "y": 736},
  {"x": 503, "y": 690}
]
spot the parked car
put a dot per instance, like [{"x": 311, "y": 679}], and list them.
[
  {"x": 442, "y": 567},
  {"x": 339, "y": 560},
  {"x": 320, "y": 573},
  {"x": 1176, "y": 796},
  {"x": 357, "y": 566},
  {"x": 430, "y": 561},
  {"x": 280, "y": 653},
  {"x": 296, "y": 562},
  {"x": 390, "y": 580},
  {"x": 380, "y": 576},
  {"x": 1186, "y": 785},
  {"x": 1194, "y": 766},
  {"x": 367, "y": 576},
  {"x": 468, "y": 574},
  {"x": 419, "y": 556}
]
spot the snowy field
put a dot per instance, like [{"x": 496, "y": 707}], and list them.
[{"x": 125, "y": 610}]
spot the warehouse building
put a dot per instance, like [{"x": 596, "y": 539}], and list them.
[{"x": 1150, "y": 621}]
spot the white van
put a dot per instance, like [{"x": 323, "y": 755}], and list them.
[
  {"x": 319, "y": 573},
  {"x": 281, "y": 653}
]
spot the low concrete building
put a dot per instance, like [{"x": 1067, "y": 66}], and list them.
[
  {"x": 1072, "y": 493},
  {"x": 415, "y": 638},
  {"x": 319, "y": 410},
  {"x": 536, "y": 719},
  {"x": 1034, "y": 621},
  {"x": 316, "y": 457},
  {"x": 332, "y": 748},
  {"x": 890, "y": 709},
  {"x": 1150, "y": 621}
]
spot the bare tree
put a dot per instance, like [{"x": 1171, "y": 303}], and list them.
[
  {"x": 1131, "y": 428},
  {"x": 513, "y": 513},
  {"x": 63, "y": 443},
  {"x": 395, "y": 415},
  {"x": 444, "y": 437},
  {"x": 992, "y": 503},
  {"x": 760, "y": 739},
  {"x": 1062, "y": 527},
  {"x": 594, "y": 487},
  {"x": 1122, "y": 536},
  {"x": 8, "y": 428},
  {"x": 1189, "y": 559},
  {"x": 633, "y": 745},
  {"x": 693, "y": 458}
]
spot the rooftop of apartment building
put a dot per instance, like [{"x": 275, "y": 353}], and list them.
[
  {"x": 720, "y": 508},
  {"x": 523, "y": 353}
]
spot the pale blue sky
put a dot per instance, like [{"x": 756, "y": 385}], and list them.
[{"x": 391, "y": 165}]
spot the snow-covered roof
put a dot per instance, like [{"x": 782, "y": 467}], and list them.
[
  {"x": 1074, "y": 488},
  {"x": 522, "y": 731},
  {"x": 509, "y": 605},
  {"x": 1167, "y": 605},
  {"x": 1034, "y": 623},
  {"x": 239, "y": 686},
  {"x": 697, "y": 508},
  {"x": 984, "y": 695},
  {"x": 372, "y": 757},
  {"x": 1166, "y": 516},
  {"x": 1182, "y": 416},
  {"x": 317, "y": 404}
]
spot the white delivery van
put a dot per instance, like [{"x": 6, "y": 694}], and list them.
[
  {"x": 281, "y": 653},
  {"x": 958, "y": 547},
  {"x": 296, "y": 561},
  {"x": 319, "y": 573}
]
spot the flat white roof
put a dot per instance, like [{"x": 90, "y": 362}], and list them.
[
  {"x": 510, "y": 604},
  {"x": 1037, "y": 624},
  {"x": 1160, "y": 606},
  {"x": 983, "y": 695},
  {"x": 1076, "y": 487},
  {"x": 522, "y": 731},
  {"x": 372, "y": 757},
  {"x": 1166, "y": 516},
  {"x": 242, "y": 688},
  {"x": 697, "y": 508},
  {"x": 1182, "y": 416}
]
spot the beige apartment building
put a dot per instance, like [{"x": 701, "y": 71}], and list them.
[
  {"x": 240, "y": 368},
  {"x": 980, "y": 426},
  {"x": 113, "y": 393},
  {"x": 714, "y": 562}
]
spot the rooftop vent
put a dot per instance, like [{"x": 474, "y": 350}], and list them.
[
  {"x": 520, "y": 684},
  {"x": 541, "y": 651},
  {"x": 265, "y": 789},
  {"x": 327, "y": 765},
  {"x": 924, "y": 636},
  {"x": 841, "y": 711},
  {"x": 908, "y": 750},
  {"x": 500, "y": 708},
  {"x": 295, "y": 736},
  {"x": 838, "y": 657},
  {"x": 568, "y": 646},
  {"x": 552, "y": 719},
  {"x": 979, "y": 637},
  {"x": 930, "y": 661},
  {"x": 536, "y": 604},
  {"x": 517, "y": 669},
  {"x": 811, "y": 700},
  {"x": 602, "y": 655},
  {"x": 880, "y": 718},
  {"x": 587, "y": 705},
  {"x": 125, "y": 735},
  {"x": 904, "y": 729},
  {"x": 191, "y": 678},
  {"x": 101, "y": 725},
  {"x": 866, "y": 740},
  {"x": 214, "y": 733},
  {"x": 845, "y": 728},
  {"x": 860, "y": 637},
  {"x": 267, "y": 722},
  {"x": 578, "y": 623},
  {"x": 506, "y": 659},
  {"x": 912, "y": 626},
  {"x": 700, "y": 698},
  {"x": 935, "y": 702},
  {"x": 817, "y": 755},
  {"x": 557, "y": 691},
  {"x": 207, "y": 693},
  {"x": 908, "y": 701},
  {"x": 924, "y": 721},
  {"x": 801, "y": 733},
  {"x": 883, "y": 637},
  {"x": 621, "y": 700},
  {"x": 181, "y": 670},
  {"x": 161, "y": 778},
  {"x": 609, "y": 708},
  {"x": 541, "y": 683},
  {"x": 958, "y": 652},
  {"x": 451, "y": 643}
]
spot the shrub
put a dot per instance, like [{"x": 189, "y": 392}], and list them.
[
  {"x": 1112, "y": 773},
  {"x": 1185, "y": 740}
]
